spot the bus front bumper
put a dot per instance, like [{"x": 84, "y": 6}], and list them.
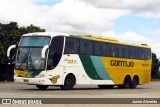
[{"x": 35, "y": 81}]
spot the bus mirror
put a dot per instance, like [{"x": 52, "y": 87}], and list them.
[
  {"x": 9, "y": 50},
  {"x": 43, "y": 54}
]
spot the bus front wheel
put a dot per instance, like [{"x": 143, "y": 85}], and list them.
[
  {"x": 68, "y": 83},
  {"x": 42, "y": 87}
]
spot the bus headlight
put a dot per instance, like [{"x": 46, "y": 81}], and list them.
[{"x": 39, "y": 76}]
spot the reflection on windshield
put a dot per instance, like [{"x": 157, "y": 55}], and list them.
[{"x": 30, "y": 59}]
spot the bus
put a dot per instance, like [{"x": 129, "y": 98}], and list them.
[{"x": 65, "y": 60}]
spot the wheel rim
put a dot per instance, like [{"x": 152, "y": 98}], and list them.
[
  {"x": 135, "y": 81},
  {"x": 68, "y": 82}
]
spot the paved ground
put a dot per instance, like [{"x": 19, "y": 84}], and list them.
[{"x": 13, "y": 90}]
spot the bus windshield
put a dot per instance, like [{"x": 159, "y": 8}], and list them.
[{"x": 29, "y": 53}]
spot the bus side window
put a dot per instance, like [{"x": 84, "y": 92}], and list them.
[
  {"x": 135, "y": 52},
  {"x": 112, "y": 50},
  {"x": 130, "y": 52},
  {"x": 141, "y": 54},
  {"x": 123, "y": 51},
  {"x": 71, "y": 46},
  {"x": 102, "y": 48},
  {"x": 109, "y": 50},
  {"x": 86, "y": 47},
  {"x": 99, "y": 49},
  {"x": 147, "y": 54},
  {"x": 115, "y": 51}
]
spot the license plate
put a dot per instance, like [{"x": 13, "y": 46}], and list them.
[{"x": 26, "y": 80}]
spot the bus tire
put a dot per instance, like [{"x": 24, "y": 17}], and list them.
[
  {"x": 134, "y": 82},
  {"x": 105, "y": 86},
  {"x": 42, "y": 87},
  {"x": 126, "y": 82},
  {"x": 68, "y": 83}
]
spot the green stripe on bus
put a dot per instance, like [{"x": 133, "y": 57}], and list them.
[
  {"x": 89, "y": 67},
  {"x": 100, "y": 68}
]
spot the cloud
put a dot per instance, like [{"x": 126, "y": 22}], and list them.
[
  {"x": 85, "y": 17},
  {"x": 22, "y": 11},
  {"x": 146, "y": 8},
  {"x": 66, "y": 16},
  {"x": 128, "y": 36},
  {"x": 77, "y": 16}
]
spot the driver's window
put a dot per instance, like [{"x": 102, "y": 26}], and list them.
[{"x": 55, "y": 52}]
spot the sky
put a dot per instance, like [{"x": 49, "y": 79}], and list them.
[{"x": 131, "y": 21}]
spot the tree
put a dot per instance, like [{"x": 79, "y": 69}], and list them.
[
  {"x": 155, "y": 66},
  {"x": 10, "y": 34}
]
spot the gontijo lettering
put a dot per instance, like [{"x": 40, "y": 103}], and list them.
[{"x": 122, "y": 63}]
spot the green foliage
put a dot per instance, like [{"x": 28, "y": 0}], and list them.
[
  {"x": 155, "y": 66},
  {"x": 10, "y": 34}
]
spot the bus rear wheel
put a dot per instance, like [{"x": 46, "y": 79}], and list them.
[
  {"x": 42, "y": 87},
  {"x": 134, "y": 82},
  {"x": 68, "y": 83},
  {"x": 126, "y": 82},
  {"x": 105, "y": 86}
]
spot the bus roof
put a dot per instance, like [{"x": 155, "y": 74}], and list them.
[
  {"x": 95, "y": 37},
  {"x": 52, "y": 34}
]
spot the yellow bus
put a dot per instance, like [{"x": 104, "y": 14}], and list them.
[{"x": 65, "y": 60}]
